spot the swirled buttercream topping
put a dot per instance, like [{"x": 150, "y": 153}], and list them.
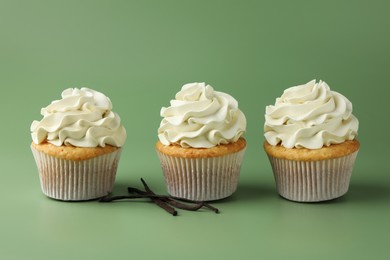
[
  {"x": 200, "y": 117},
  {"x": 82, "y": 118},
  {"x": 310, "y": 116}
]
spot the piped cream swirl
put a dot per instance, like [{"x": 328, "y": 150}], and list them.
[
  {"x": 200, "y": 117},
  {"x": 310, "y": 116},
  {"x": 82, "y": 118}
]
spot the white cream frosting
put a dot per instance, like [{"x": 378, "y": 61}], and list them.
[
  {"x": 200, "y": 117},
  {"x": 310, "y": 116},
  {"x": 82, "y": 118}
]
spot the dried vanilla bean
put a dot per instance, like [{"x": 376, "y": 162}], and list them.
[{"x": 168, "y": 203}]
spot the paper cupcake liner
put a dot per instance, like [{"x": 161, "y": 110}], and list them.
[
  {"x": 76, "y": 180},
  {"x": 201, "y": 179},
  {"x": 313, "y": 181}
]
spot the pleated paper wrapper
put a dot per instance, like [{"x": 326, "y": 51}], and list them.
[
  {"x": 202, "y": 179},
  {"x": 312, "y": 181},
  {"x": 77, "y": 180}
]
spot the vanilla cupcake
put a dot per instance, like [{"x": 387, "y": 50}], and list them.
[
  {"x": 77, "y": 145},
  {"x": 311, "y": 142},
  {"x": 200, "y": 145}
]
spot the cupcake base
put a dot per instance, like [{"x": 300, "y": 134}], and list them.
[
  {"x": 202, "y": 178},
  {"x": 76, "y": 180},
  {"x": 313, "y": 181}
]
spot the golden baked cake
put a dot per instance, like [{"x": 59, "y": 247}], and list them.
[
  {"x": 190, "y": 152},
  {"x": 304, "y": 154},
  {"x": 73, "y": 153}
]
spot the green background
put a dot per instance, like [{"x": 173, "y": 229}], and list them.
[{"x": 140, "y": 53}]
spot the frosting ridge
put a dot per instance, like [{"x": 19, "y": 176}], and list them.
[
  {"x": 310, "y": 116},
  {"x": 200, "y": 117},
  {"x": 82, "y": 118}
]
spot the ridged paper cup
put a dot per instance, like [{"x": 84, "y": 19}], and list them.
[
  {"x": 202, "y": 179},
  {"x": 80, "y": 180},
  {"x": 313, "y": 181}
]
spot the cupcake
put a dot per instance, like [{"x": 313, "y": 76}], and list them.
[
  {"x": 311, "y": 142},
  {"x": 77, "y": 145},
  {"x": 200, "y": 145}
]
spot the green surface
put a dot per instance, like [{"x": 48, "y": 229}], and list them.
[{"x": 140, "y": 53}]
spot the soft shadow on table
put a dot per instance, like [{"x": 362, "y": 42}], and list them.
[
  {"x": 251, "y": 192},
  {"x": 368, "y": 192},
  {"x": 363, "y": 193},
  {"x": 120, "y": 187},
  {"x": 357, "y": 193}
]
